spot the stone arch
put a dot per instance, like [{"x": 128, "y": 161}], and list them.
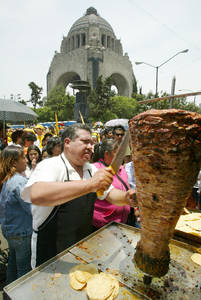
[
  {"x": 121, "y": 83},
  {"x": 67, "y": 78}
]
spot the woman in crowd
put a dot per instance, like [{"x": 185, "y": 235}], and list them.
[
  {"x": 15, "y": 214},
  {"x": 105, "y": 212},
  {"x": 33, "y": 157},
  {"x": 44, "y": 153},
  {"x": 53, "y": 146},
  {"x": 28, "y": 139}
]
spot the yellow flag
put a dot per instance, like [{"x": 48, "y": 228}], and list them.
[
  {"x": 82, "y": 119},
  {"x": 56, "y": 124},
  {"x": 24, "y": 125}
]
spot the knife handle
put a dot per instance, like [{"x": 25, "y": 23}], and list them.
[{"x": 100, "y": 193}]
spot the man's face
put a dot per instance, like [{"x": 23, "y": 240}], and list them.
[
  {"x": 118, "y": 135},
  {"x": 109, "y": 135},
  {"x": 79, "y": 150}
]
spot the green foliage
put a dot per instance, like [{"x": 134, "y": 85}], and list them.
[
  {"x": 62, "y": 104},
  {"x": 35, "y": 94},
  {"x": 22, "y": 101},
  {"x": 45, "y": 114},
  {"x": 104, "y": 105},
  {"x": 99, "y": 100}
]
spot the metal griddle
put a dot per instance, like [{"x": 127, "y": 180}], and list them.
[{"x": 111, "y": 249}]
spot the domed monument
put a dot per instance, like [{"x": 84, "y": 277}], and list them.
[{"x": 90, "y": 50}]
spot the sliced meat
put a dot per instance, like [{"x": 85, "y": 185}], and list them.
[{"x": 166, "y": 152}]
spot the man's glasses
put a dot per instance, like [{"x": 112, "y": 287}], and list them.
[{"x": 119, "y": 134}]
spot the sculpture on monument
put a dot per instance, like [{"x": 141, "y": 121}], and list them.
[{"x": 81, "y": 107}]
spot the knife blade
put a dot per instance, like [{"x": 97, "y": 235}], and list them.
[{"x": 118, "y": 158}]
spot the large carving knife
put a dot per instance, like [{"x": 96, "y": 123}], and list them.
[{"x": 118, "y": 158}]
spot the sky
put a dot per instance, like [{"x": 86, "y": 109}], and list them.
[{"x": 151, "y": 31}]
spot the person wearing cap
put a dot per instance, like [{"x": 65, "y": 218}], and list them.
[
  {"x": 118, "y": 133},
  {"x": 39, "y": 129}
]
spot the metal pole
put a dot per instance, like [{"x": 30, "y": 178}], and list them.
[
  {"x": 156, "y": 82},
  {"x": 172, "y": 91}
]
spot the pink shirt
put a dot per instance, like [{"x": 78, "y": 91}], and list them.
[{"x": 104, "y": 211}]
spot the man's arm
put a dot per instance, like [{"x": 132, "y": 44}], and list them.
[{"x": 55, "y": 193}]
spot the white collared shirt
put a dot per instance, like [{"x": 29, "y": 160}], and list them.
[{"x": 53, "y": 169}]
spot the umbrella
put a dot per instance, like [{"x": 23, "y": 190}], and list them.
[
  {"x": 116, "y": 122},
  {"x": 13, "y": 111}
]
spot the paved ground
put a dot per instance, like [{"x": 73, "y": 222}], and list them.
[{"x": 4, "y": 245}]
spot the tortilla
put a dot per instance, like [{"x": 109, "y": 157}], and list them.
[
  {"x": 115, "y": 285},
  {"x": 85, "y": 272},
  {"x": 196, "y": 258},
  {"x": 195, "y": 225},
  {"x": 99, "y": 288},
  {"x": 80, "y": 274},
  {"x": 102, "y": 286},
  {"x": 190, "y": 223},
  {"x": 74, "y": 283}
]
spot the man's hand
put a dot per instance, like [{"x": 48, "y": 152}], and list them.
[
  {"x": 102, "y": 179},
  {"x": 130, "y": 197}
]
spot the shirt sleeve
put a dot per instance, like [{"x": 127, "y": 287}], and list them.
[
  {"x": 45, "y": 171},
  {"x": 16, "y": 194}
]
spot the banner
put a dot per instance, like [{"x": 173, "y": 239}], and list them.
[
  {"x": 82, "y": 119},
  {"x": 56, "y": 124}
]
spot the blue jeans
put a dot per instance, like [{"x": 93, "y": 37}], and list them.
[{"x": 19, "y": 257}]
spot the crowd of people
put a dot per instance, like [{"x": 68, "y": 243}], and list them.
[
  {"x": 48, "y": 186},
  {"x": 48, "y": 190}
]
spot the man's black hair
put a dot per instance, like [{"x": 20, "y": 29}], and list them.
[
  {"x": 16, "y": 134},
  {"x": 118, "y": 127},
  {"x": 71, "y": 132},
  {"x": 29, "y": 136},
  {"x": 51, "y": 143}
]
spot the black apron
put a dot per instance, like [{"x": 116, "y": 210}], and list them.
[{"x": 67, "y": 224}]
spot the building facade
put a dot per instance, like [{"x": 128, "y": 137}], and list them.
[{"x": 89, "y": 50}]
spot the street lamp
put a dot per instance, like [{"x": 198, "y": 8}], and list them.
[
  {"x": 157, "y": 67},
  {"x": 15, "y": 97}
]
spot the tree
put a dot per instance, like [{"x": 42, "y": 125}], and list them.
[
  {"x": 45, "y": 114},
  {"x": 36, "y": 92},
  {"x": 178, "y": 103},
  {"x": 22, "y": 101},
  {"x": 99, "y": 99},
  {"x": 62, "y": 104}
]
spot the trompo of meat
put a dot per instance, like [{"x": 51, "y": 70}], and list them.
[{"x": 166, "y": 152}]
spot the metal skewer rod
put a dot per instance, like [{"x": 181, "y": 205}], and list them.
[{"x": 147, "y": 279}]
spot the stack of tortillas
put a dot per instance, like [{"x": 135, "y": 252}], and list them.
[
  {"x": 98, "y": 286},
  {"x": 102, "y": 286},
  {"x": 80, "y": 274},
  {"x": 190, "y": 223},
  {"x": 196, "y": 258}
]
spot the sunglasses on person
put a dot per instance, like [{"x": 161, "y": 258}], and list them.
[{"x": 119, "y": 134}]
